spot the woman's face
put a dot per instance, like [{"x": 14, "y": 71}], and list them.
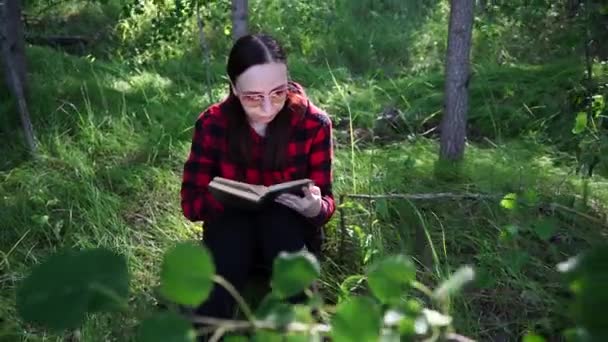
[{"x": 262, "y": 90}]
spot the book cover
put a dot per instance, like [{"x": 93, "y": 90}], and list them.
[{"x": 250, "y": 196}]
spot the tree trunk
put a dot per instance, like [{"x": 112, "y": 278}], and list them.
[
  {"x": 239, "y": 18},
  {"x": 12, "y": 52},
  {"x": 456, "y": 102},
  {"x": 15, "y": 38}
]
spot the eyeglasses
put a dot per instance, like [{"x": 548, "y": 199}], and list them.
[{"x": 277, "y": 97}]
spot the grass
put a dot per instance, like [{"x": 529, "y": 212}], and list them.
[
  {"x": 109, "y": 171},
  {"x": 113, "y": 137}
]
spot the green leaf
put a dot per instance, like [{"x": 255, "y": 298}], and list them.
[
  {"x": 509, "y": 201},
  {"x": 267, "y": 336},
  {"x": 509, "y": 232},
  {"x": 580, "y": 123},
  {"x": 235, "y": 338},
  {"x": 166, "y": 326},
  {"x": 274, "y": 310},
  {"x": 302, "y": 337},
  {"x": 187, "y": 274},
  {"x": 61, "y": 290},
  {"x": 454, "y": 283},
  {"x": 294, "y": 272},
  {"x": 588, "y": 278},
  {"x": 545, "y": 228},
  {"x": 390, "y": 277},
  {"x": 357, "y": 319},
  {"x": 531, "y": 197},
  {"x": 531, "y": 337}
]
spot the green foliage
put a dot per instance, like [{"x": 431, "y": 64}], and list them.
[
  {"x": 357, "y": 319},
  {"x": 167, "y": 326},
  {"x": 292, "y": 273},
  {"x": 389, "y": 278},
  {"x": 187, "y": 274},
  {"x": 586, "y": 276},
  {"x": 113, "y": 137},
  {"x": 61, "y": 290}
]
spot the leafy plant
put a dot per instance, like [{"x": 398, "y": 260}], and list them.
[{"x": 61, "y": 291}]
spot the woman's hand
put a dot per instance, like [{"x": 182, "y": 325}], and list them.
[{"x": 308, "y": 206}]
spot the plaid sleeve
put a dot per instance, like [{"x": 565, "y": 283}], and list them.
[
  {"x": 197, "y": 203},
  {"x": 320, "y": 166}
]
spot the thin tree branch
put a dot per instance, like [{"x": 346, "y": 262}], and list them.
[
  {"x": 424, "y": 196},
  {"x": 450, "y": 195}
]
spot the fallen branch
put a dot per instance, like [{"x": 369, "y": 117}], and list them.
[
  {"x": 466, "y": 195},
  {"x": 426, "y": 196}
]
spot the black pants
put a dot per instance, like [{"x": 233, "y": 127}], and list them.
[{"x": 240, "y": 240}]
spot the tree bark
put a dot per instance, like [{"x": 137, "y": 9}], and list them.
[
  {"x": 12, "y": 50},
  {"x": 15, "y": 39},
  {"x": 239, "y": 18},
  {"x": 456, "y": 102}
]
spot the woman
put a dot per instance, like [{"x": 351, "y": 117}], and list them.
[{"x": 265, "y": 132}]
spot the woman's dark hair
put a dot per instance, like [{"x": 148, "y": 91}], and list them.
[{"x": 248, "y": 51}]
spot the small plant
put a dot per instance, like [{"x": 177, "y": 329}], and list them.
[{"x": 60, "y": 292}]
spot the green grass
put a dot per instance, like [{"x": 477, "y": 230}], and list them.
[
  {"x": 114, "y": 134},
  {"x": 112, "y": 145}
]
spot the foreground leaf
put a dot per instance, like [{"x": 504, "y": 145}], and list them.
[
  {"x": 60, "y": 291},
  {"x": 294, "y": 272},
  {"x": 588, "y": 276},
  {"x": 357, "y": 320},
  {"x": 166, "y": 327},
  {"x": 391, "y": 277},
  {"x": 187, "y": 274}
]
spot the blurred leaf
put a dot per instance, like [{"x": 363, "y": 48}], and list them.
[
  {"x": 166, "y": 326},
  {"x": 588, "y": 276},
  {"x": 61, "y": 290},
  {"x": 390, "y": 277},
  {"x": 580, "y": 123},
  {"x": 544, "y": 228},
  {"x": 357, "y": 319},
  {"x": 187, "y": 274},
  {"x": 275, "y": 310},
  {"x": 531, "y": 337},
  {"x": 455, "y": 282},
  {"x": 235, "y": 338},
  {"x": 531, "y": 197},
  {"x": 294, "y": 272},
  {"x": 267, "y": 336},
  {"x": 390, "y": 335},
  {"x": 509, "y": 201}
]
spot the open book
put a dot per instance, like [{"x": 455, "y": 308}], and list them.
[{"x": 250, "y": 196}]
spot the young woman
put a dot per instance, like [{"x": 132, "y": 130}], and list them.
[{"x": 265, "y": 132}]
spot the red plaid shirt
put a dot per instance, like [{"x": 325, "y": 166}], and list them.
[{"x": 309, "y": 152}]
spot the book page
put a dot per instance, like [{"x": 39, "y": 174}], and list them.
[
  {"x": 294, "y": 184},
  {"x": 246, "y": 194},
  {"x": 256, "y": 189}
]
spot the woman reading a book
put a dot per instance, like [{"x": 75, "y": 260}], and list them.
[{"x": 265, "y": 132}]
